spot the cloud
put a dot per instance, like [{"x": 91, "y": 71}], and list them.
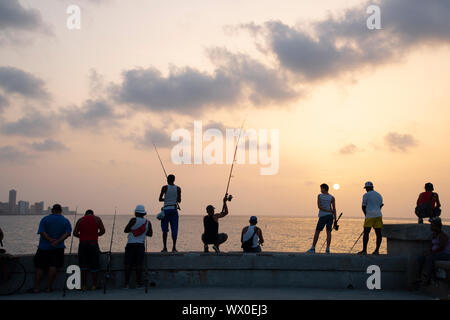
[
  {"x": 14, "y": 18},
  {"x": 3, "y": 103},
  {"x": 93, "y": 114},
  {"x": 400, "y": 142},
  {"x": 16, "y": 81},
  {"x": 341, "y": 44},
  {"x": 237, "y": 78},
  {"x": 48, "y": 145},
  {"x": 184, "y": 90},
  {"x": 12, "y": 155},
  {"x": 160, "y": 137},
  {"x": 349, "y": 149},
  {"x": 33, "y": 124}
]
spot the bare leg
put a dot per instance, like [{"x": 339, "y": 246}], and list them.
[
  {"x": 328, "y": 239},
  {"x": 366, "y": 238},
  {"x": 38, "y": 278},
  {"x": 51, "y": 277},
  {"x": 379, "y": 240},
  {"x": 316, "y": 238},
  {"x": 164, "y": 236}
]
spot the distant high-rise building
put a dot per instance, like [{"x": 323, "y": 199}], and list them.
[
  {"x": 12, "y": 201},
  {"x": 23, "y": 207},
  {"x": 37, "y": 208}
]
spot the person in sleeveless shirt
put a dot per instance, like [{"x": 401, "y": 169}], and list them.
[
  {"x": 138, "y": 228},
  {"x": 254, "y": 233},
  {"x": 439, "y": 250},
  {"x": 171, "y": 196},
  {"x": 327, "y": 216},
  {"x": 88, "y": 229},
  {"x": 211, "y": 233}
]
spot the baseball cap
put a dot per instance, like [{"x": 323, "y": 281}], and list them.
[
  {"x": 368, "y": 185},
  {"x": 140, "y": 209},
  {"x": 253, "y": 219}
]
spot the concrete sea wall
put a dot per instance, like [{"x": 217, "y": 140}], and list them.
[{"x": 269, "y": 269}]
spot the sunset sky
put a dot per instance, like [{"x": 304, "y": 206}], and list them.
[{"x": 79, "y": 109}]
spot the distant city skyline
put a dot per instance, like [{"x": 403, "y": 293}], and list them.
[{"x": 22, "y": 207}]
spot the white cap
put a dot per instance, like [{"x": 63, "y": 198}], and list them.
[
  {"x": 140, "y": 209},
  {"x": 368, "y": 185}
]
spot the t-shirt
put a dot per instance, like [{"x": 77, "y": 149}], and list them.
[
  {"x": 372, "y": 200},
  {"x": 55, "y": 225}
]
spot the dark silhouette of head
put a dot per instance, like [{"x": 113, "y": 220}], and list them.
[
  {"x": 253, "y": 220},
  {"x": 89, "y": 212},
  {"x": 429, "y": 187},
  {"x": 56, "y": 208},
  {"x": 210, "y": 210},
  {"x": 324, "y": 187},
  {"x": 436, "y": 225},
  {"x": 170, "y": 179},
  {"x": 368, "y": 186}
]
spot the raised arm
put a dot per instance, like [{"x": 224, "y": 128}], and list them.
[{"x": 224, "y": 208}]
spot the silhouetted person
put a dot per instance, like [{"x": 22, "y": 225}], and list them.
[
  {"x": 439, "y": 250},
  {"x": 88, "y": 229},
  {"x": 327, "y": 216},
  {"x": 252, "y": 237},
  {"x": 211, "y": 233},
  {"x": 371, "y": 206},
  {"x": 137, "y": 228},
  {"x": 428, "y": 204},
  {"x": 171, "y": 196},
  {"x": 53, "y": 230}
]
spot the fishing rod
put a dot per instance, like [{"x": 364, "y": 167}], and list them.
[
  {"x": 230, "y": 197},
  {"x": 107, "y": 275},
  {"x": 164, "y": 169},
  {"x": 70, "y": 251},
  {"x": 356, "y": 242},
  {"x": 336, "y": 227}
]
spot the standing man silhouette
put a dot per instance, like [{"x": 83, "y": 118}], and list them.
[{"x": 171, "y": 196}]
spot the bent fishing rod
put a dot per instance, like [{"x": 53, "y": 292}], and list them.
[
  {"x": 164, "y": 169},
  {"x": 107, "y": 275},
  {"x": 336, "y": 227},
  {"x": 70, "y": 251},
  {"x": 230, "y": 197}
]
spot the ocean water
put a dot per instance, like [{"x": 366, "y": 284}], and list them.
[{"x": 282, "y": 234}]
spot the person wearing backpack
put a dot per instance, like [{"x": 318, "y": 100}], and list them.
[
  {"x": 252, "y": 237},
  {"x": 428, "y": 204},
  {"x": 137, "y": 228}
]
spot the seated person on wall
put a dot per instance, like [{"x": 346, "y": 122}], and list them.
[
  {"x": 251, "y": 237},
  {"x": 211, "y": 233},
  {"x": 428, "y": 204},
  {"x": 440, "y": 250}
]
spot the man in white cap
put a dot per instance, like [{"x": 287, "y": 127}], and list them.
[
  {"x": 138, "y": 228},
  {"x": 371, "y": 206}
]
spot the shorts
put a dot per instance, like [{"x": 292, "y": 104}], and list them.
[
  {"x": 376, "y": 223},
  {"x": 325, "y": 220},
  {"x": 170, "y": 216},
  {"x": 134, "y": 254},
  {"x": 44, "y": 259},
  {"x": 221, "y": 238},
  {"x": 89, "y": 256}
]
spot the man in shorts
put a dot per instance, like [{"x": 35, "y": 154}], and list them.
[
  {"x": 53, "y": 230},
  {"x": 88, "y": 229},
  {"x": 371, "y": 206}
]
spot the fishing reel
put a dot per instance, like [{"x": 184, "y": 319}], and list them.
[{"x": 228, "y": 197}]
